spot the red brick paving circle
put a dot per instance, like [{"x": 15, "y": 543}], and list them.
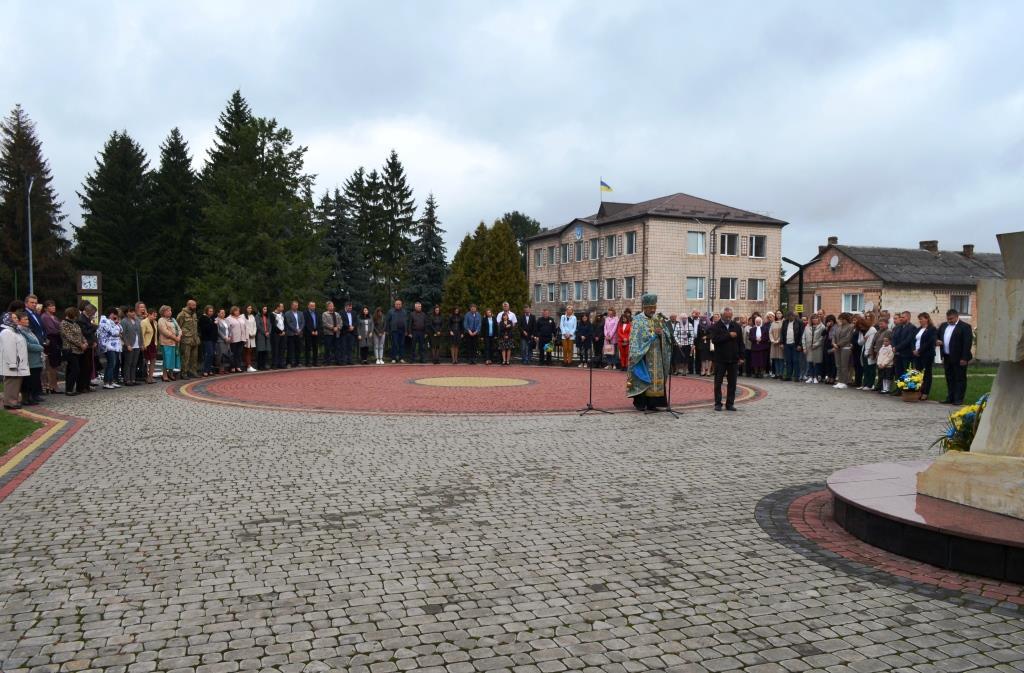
[
  {"x": 811, "y": 516},
  {"x": 392, "y": 389}
]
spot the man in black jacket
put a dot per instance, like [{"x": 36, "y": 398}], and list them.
[
  {"x": 546, "y": 329},
  {"x": 728, "y": 339},
  {"x": 792, "y": 338},
  {"x": 310, "y": 335},
  {"x": 527, "y": 331},
  {"x": 955, "y": 339},
  {"x": 903, "y": 337}
]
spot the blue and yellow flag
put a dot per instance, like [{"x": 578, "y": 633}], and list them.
[{"x": 605, "y": 187}]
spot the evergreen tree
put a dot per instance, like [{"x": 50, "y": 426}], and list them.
[
  {"x": 523, "y": 227},
  {"x": 427, "y": 265},
  {"x": 21, "y": 155},
  {"x": 175, "y": 216},
  {"x": 349, "y": 279},
  {"x": 460, "y": 286},
  {"x": 398, "y": 210},
  {"x": 500, "y": 276},
  {"x": 115, "y": 236},
  {"x": 257, "y": 240}
]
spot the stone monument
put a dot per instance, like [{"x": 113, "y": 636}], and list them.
[{"x": 991, "y": 475}]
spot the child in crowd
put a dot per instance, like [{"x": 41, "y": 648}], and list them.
[{"x": 886, "y": 357}]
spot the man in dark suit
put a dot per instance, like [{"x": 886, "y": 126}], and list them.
[
  {"x": 527, "y": 331},
  {"x": 489, "y": 332},
  {"x": 348, "y": 334},
  {"x": 294, "y": 326},
  {"x": 956, "y": 339},
  {"x": 727, "y": 337},
  {"x": 310, "y": 335},
  {"x": 545, "y": 332},
  {"x": 903, "y": 337}
]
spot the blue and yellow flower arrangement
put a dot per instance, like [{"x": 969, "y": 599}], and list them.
[{"x": 962, "y": 426}]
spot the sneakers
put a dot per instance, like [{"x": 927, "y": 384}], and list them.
[
  {"x": 108, "y": 386},
  {"x": 251, "y": 369},
  {"x": 840, "y": 386},
  {"x": 809, "y": 380}
]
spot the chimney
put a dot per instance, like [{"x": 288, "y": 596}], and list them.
[
  {"x": 968, "y": 250},
  {"x": 822, "y": 249},
  {"x": 930, "y": 246},
  {"x": 833, "y": 240}
]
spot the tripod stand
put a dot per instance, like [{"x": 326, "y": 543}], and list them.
[{"x": 590, "y": 394}]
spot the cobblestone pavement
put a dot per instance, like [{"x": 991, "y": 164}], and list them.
[{"x": 169, "y": 535}]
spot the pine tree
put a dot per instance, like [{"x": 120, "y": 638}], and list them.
[
  {"x": 349, "y": 279},
  {"x": 500, "y": 277},
  {"x": 399, "y": 211},
  {"x": 257, "y": 241},
  {"x": 462, "y": 286},
  {"x": 115, "y": 236},
  {"x": 523, "y": 226},
  {"x": 175, "y": 216},
  {"x": 21, "y": 155},
  {"x": 427, "y": 265}
]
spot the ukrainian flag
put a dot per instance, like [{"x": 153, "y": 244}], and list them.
[{"x": 605, "y": 187}]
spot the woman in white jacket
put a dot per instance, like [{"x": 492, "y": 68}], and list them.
[
  {"x": 868, "y": 358},
  {"x": 13, "y": 357}
]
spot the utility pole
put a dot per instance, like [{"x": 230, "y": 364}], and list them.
[{"x": 28, "y": 216}]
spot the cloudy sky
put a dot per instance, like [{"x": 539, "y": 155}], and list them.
[{"x": 883, "y": 123}]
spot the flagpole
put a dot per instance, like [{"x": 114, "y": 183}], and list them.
[{"x": 600, "y": 189}]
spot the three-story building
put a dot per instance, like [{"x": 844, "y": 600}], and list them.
[{"x": 693, "y": 253}]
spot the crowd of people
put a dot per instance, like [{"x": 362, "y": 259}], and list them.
[{"x": 121, "y": 348}]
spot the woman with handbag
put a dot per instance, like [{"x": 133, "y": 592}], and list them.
[{"x": 611, "y": 339}]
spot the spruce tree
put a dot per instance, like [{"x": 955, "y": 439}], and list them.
[
  {"x": 500, "y": 277},
  {"x": 427, "y": 265},
  {"x": 349, "y": 279},
  {"x": 462, "y": 287},
  {"x": 175, "y": 216},
  {"x": 21, "y": 155},
  {"x": 115, "y": 237},
  {"x": 523, "y": 227},
  {"x": 398, "y": 210},
  {"x": 257, "y": 241}
]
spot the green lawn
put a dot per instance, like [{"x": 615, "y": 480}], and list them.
[
  {"x": 979, "y": 382},
  {"x": 13, "y": 429}
]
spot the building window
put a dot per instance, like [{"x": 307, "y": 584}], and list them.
[
  {"x": 577, "y": 291},
  {"x": 961, "y": 303},
  {"x": 853, "y": 302},
  {"x": 729, "y": 244},
  {"x": 694, "y": 287},
  {"x": 758, "y": 246},
  {"x": 551, "y": 255},
  {"x": 595, "y": 289},
  {"x": 728, "y": 288},
  {"x": 630, "y": 242},
  {"x": 551, "y": 292},
  {"x": 609, "y": 288},
  {"x": 538, "y": 293},
  {"x": 817, "y": 303},
  {"x": 595, "y": 248},
  {"x": 566, "y": 252},
  {"x": 695, "y": 242},
  {"x": 630, "y": 291},
  {"x": 579, "y": 251},
  {"x": 538, "y": 258},
  {"x": 563, "y": 292},
  {"x": 755, "y": 289},
  {"x": 609, "y": 246}
]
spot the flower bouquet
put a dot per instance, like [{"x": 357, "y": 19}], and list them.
[
  {"x": 962, "y": 426},
  {"x": 910, "y": 383}
]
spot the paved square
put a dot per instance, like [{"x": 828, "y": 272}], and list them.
[{"x": 171, "y": 535}]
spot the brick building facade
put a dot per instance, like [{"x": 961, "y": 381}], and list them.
[
  {"x": 693, "y": 253},
  {"x": 922, "y": 280}
]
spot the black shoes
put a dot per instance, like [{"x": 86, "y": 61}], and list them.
[{"x": 718, "y": 407}]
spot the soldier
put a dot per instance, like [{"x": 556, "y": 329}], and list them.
[{"x": 188, "y": 321}]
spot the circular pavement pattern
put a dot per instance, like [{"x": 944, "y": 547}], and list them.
[{"x": 437, "y": 389}]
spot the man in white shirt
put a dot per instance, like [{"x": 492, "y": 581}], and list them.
[{"x": 511, "y": 314}]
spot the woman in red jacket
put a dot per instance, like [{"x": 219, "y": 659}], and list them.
[{"x": 625, "y": 326}]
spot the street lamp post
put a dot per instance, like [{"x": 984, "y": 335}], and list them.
[{"x": 28, "y": 216}]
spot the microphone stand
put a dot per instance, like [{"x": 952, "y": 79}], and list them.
[{"x": 590, "y": 395}]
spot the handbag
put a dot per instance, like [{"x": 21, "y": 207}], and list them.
[
  {"x": 608, "y": 349},
  {"x": 641, "y": 373}
]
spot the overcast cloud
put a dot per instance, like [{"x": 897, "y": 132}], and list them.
[{"x": 883, "y": 123}]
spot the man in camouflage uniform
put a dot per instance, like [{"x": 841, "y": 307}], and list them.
[{"x": 188, "y": 321}]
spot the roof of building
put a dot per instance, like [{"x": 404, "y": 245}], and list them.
[
  {"x": 675, "y": 206},
  {"x": 913, "y": 266}
]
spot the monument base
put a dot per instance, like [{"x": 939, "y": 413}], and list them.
[{"x": 990, "y": 482}]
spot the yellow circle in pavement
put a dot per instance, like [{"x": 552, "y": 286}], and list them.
[{"x": 471, "y": 382}]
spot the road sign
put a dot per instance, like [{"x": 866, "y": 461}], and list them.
[{"x": 799, "y": 308}]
